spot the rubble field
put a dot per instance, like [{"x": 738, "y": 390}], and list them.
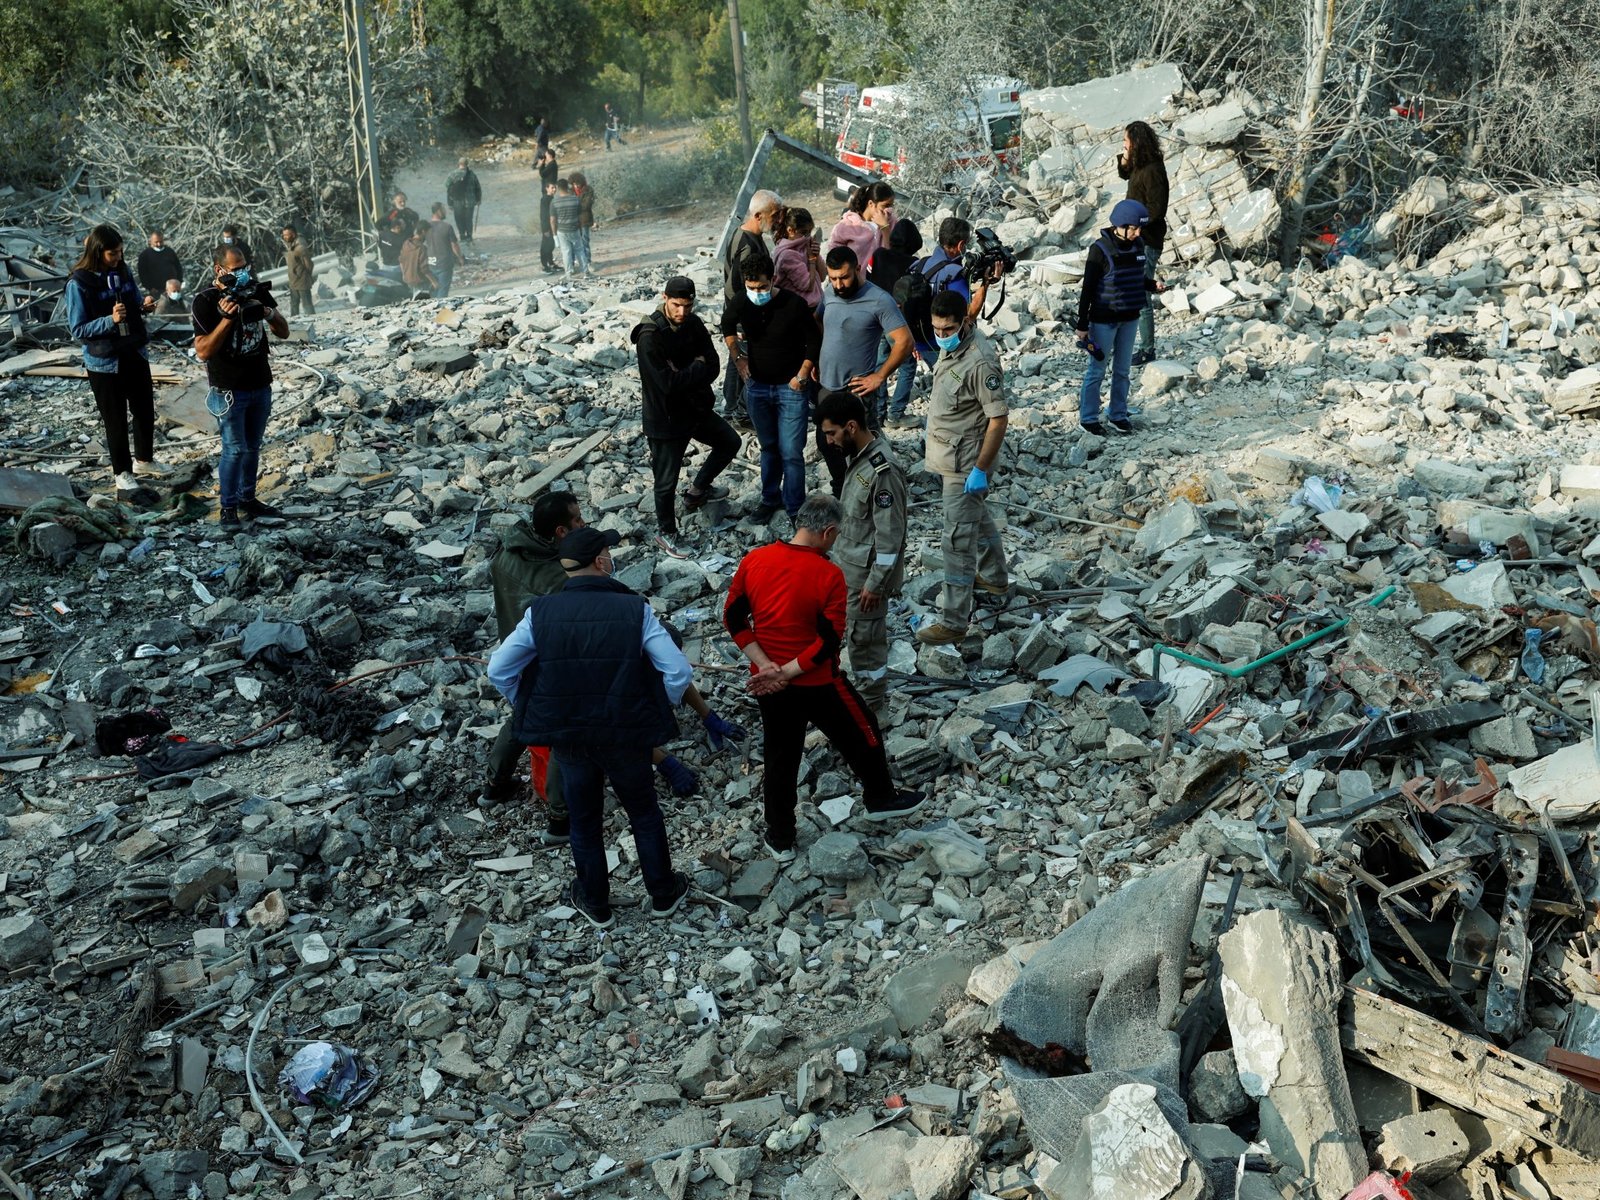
[{"x": 1260, "y": 860}]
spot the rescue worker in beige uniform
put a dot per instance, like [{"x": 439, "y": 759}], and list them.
[
  {"x": 966, "y": 425},
  {"x": 871, "y": 546}
]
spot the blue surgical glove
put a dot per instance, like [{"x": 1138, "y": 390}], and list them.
[
  {"x": 720, "y": 730},
  {"x": 977, "y": 481}
]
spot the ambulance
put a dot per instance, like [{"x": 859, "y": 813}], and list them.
[{"x": 872, "y": 141}]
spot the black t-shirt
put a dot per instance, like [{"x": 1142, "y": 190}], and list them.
[
  {"x": 780, "y": 334},
  {"x": 241, "y": 365}
]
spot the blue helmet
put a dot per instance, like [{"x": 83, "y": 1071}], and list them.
[{"x": 1129, "y": 212}]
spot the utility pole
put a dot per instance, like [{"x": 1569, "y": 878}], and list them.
[
  {"x": 738, "y": 79},
  {"x": 363, "y": 129}
]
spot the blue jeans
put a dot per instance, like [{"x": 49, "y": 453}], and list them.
[
  {"x": 243, "y": 429},
  {"x": 584, "y": 770},
  {"x": 883, "y": 401},
  {"x": 444, "y": 273},
  {"x": 1116, "y": 342},
  {"x": 584, "y": 262},
  {"x": 779, "y": 415},
  {"x": 567, "y": 250}
]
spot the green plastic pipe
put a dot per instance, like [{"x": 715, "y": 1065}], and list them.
[{"x": 1239, "y": 672}]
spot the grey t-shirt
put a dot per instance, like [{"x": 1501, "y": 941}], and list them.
[{"x": 851, "y": 331}]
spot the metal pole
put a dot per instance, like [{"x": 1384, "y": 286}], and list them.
[
  {"x": 363, "y": 130},
  {"x": 738, "y": 78}
]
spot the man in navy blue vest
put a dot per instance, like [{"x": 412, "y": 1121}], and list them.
[{"x": 592, "y": 673}]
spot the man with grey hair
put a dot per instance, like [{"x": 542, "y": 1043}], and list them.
[
  {"x": 786, "y": 612},
  {"x": 762, "y": 217}
]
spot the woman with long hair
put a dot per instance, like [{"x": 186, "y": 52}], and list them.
[
  {"x": 866, "y": 223},
  {"x": 1140, "y": 164},
  {"x": 105, "y": 312}
]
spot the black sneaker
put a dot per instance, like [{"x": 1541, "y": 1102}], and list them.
[
  {"x": 1122, "y": 426},
  {"x": 257, "y": 508},
  {"x": 1143, "y": 357},
  {"x": 903, "y": 805},
  {"x": 765, "y": 513},
  {"x": 1095, "y": 428},
  {"x": 557, "y": 833},
  {"x": 664, "y": 906},
  {"x": 691, "y": 501},
  {"x": 599, "y": 918},
  {"x": 784, "y": 854},
  {"x": 228, "y": 519}
]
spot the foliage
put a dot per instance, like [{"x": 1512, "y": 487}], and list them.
[
  {"x": 243, "y": 116},
  {"x": 55, "y": 50},
  {"x": 509, "y": 61}
]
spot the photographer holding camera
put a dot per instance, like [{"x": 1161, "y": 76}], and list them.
[
  {"x": 949, "y": 268},
  {"x": 231, "y": 320}
]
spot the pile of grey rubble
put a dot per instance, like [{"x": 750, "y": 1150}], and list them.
[{"x": 1164, "y": 932}]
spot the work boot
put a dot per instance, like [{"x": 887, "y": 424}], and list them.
[
  {"x": 228, "y": 520},
  {"x": 257, "y": 508},
  {"x": 994, "y": 589},
  {"x": 939, "y": 634}
]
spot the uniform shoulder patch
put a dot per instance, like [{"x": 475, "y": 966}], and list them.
[
  {"x": 884, "y": 500},
  {"x": 879, "y": 462},
  {"x": 992, "y": 382}
]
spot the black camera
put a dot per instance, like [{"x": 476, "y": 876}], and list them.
[
  {"x": 240, "y": 285},
  {"x": 981, "y": 262}
]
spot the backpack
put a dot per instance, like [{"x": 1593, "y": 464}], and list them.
[{"x": 914, "y": 292}]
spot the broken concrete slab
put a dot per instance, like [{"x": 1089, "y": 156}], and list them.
[
  {"x": 1470, "y": 1073},
  {"x": 914, "y": 992},
  {"x": 1128, "y": 1147},
  {"x": 1105, "y": 104},
  {"x": 1429, "y": 1144},
  {"x": 1281, "y": 985}
]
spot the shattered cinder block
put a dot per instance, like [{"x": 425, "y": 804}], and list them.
[{"x": 1281, "y": 984}]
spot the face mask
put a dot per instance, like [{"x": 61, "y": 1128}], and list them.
[
  {"x": 759, "y": 298},
  {"x": 226, "y": 240},
  {"x": 948, "y": 343},
  {"x": 174, "y": 295}
]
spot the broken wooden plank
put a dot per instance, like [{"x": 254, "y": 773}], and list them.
[
  {"x": 1470, "y": 1073},
  {"x": 530, "y": 488},
  {"x": 28, "y": 360}
]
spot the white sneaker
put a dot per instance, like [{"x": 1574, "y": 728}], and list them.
[
  {"x": 126, "y": 482},
  {"x": 154, "y": 469}
]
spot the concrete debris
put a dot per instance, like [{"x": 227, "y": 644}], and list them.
[
  {"x": 1281, "y": 987},
  {"x": 1309, "y": 863}
]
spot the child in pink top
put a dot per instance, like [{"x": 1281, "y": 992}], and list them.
[{"x": 796, "y": 263}]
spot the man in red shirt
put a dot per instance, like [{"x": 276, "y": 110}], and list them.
[{"x": 786, "y": 611}]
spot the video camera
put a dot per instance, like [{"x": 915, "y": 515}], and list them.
[
  {"x": 241, "y": 285},
  {"x": 980, "y": 263}
]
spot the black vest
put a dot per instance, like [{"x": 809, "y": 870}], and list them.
[
  {"x": 591, "y": 683},
  {"x": 100, "y": 295},
  {"x": 1122, "y": 286}
]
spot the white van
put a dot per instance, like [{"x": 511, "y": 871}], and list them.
[{"x": 871, "y": 139}]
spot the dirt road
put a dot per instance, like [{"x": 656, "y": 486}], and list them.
[{"x": 505, "y": 252}]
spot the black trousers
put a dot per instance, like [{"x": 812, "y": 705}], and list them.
[
  {"x": 117, "y": 395},
  {"x": 465, "y": 217},
  {"x": 666, "y": 463},
  {"x": 851, "y": 729},
  {"x": 547, "y": 240}
]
